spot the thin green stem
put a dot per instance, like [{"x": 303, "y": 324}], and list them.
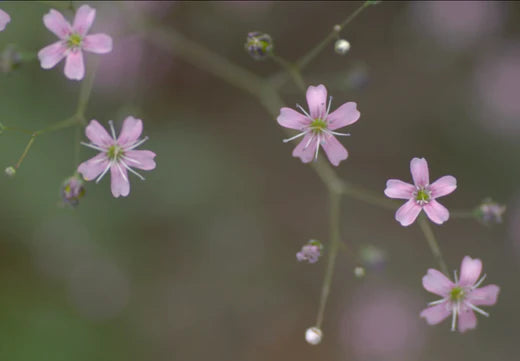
[
  {"x": 463, "y": 213},
  {"x": 26, "y": 150},
  {"x": 432, "y": 243},
  {"x": 86, "y": 90},
  {"x": 290, "y": 69}
]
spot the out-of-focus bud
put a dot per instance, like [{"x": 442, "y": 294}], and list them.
[
  {"x": 490, "y": 212},
  {"x": 310, "y": 252},
  {"x": 313, "y": 335},
  {"x": 10, "y": 59},
  {"x": 341, "y": 46},
  {"x": 258, "y": 45},
  {"x": 72, "y": 190},
  {"x": 359, "y": 272},
  {"x": 10, "y": 171},
  {"x": 372, "y": 258}
]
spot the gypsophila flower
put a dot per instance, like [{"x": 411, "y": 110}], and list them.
[
  {"x": 490, "y": 212},
  {"x": 421, "y": 195},
  {"x": 4, "y": 19},
  {"x": 310, "y": 252},
  {"x": 72, "y": 190},
  {"x": 73, "y": 41},
  {"x": 318, "y": 126},
  {"x": 459, "y": 298},
  {"x": 10, "y": 59},
  {"x": 313, "y": 335},
  {"x": 116, "y": 154}
]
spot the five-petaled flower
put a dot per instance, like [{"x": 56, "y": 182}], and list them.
[
  {"x": 117, "y": 154},
  {"x": 73, "y": 40},
  {"x": 459, "y": 298},
  {"x": 318, "y": 126},
  {"x": 4, "y": 19},
  {"x": 421, "y": 195}
]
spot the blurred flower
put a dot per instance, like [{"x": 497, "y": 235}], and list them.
[
  {"x": 10, "y": 171},
  {"x": 359, "y": 272},
  {"x": 72, "y": 190},
  {"x": 318, "y": 126},
  {"x": 4, "y": 19},
  {"x": 258, "y": 45},
  {"x": 373, "y": 257},
  {"x": 341, "y": 46},
  {"x": 117, "y": 154},
  {"x": 73, "y": 40},
  {"x": 421, "y": 195},
  {"x": 461, "y": 298},
  {"x": 490, "y": 212},
  {"x": 310, "y": 252},
  {"x": 313, "y": 335},
  {"x": 10, "y": 58}
]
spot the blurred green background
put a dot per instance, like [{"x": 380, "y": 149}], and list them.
[{"x": 199, "y": 261}]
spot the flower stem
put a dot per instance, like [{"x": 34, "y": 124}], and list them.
[
  {"x": 291, "y": 69},
  {"x": 26, "y": 150},
  {"x": 85, "y": 91},
  {"x": 432, "y": 243}
]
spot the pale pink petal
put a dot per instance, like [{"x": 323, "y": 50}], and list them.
[
  {"x": 119, "y": 183},
  {"x": 83, "y": 20},
  {"x": 484, "y": 296},
  {"x": 317, "y": 101},
  {"x": 443, "y": 186},
  {"x": 131, "y": 131},
  {"x": 52, "y": 54},
  {"x": 74, "y": 66},
  {"x": 56, "y": 23},
  {"x": 4, "y": 19},
  {"x": 436, "y": 282},
  {"x": 335, "y": 151},
  {"x": 470, "y": 270},
  {"x": 290, "y": 118},
  {"x": 436, "y": 212},
  {"x": 97, "y": 43},
  {"x": 467, "y": 320},
  {"x": 93, "y": 167},
  {"x": 305, "y": 150},
  {"x": 420, "y": 173},
  {"x": 436, "y": 314},
  {"x": 98, "y": 135},
  {"x": 345, "y": 115},
  {"x": 142, "y": 159},
  {"x": 398, "y": 189},
  {"x": 407, "y": 213}
]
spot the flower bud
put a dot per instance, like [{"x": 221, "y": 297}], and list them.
[
  {"x": 372, "y": 258},
  {"x": 313, "y": 335},
  {"x": 258, "y": 45},
  {"x": 359, "y": 272},
  {"x": 310, "y": 252},
  {"x": 72, "y": 190},
  {"x": 341, "y": 46},
  {"x": 490, "y": 212},
  {"x": 10, "y": 59},
  {"x": 10, "y": 171}
]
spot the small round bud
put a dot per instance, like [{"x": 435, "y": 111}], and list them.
[
  {"x": 341, "y": 46},
  {"x": 359, "y": 272},
  {"x": 258, "y": 45},
  {"x": 337, "y": 28},
  {"x": 10, "y": 171},
  {"x": 313, "y": 335},
  {"x": 310, "y": 252},
  {"x": 72, "y": 190},
  {"x": 10, "y": 59}
]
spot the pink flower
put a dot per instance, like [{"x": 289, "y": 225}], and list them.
[
  {"x": 461, "y": 298},
  {"x": 117, "y": 154},
  {"x": 318, "y": 126},
  {"x": 73, "y": 40},
  {"x": 4, "y": 19},
  {"x": 421, "y": 195}
]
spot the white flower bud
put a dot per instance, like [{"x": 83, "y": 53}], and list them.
[
  {"x": 342, "y": 46},
  {"x": 359, "y": 272},
  {"x": 10, "y": 171},
  {"x": 313, "y": 335}
]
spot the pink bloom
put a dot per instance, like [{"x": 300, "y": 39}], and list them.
[
  {"x": 461, "y": 298},
  {"x": 318, "y": 126},
  {"x": 4, "y": 19},
  {"x": 117, "y": 154},
  {"x": 421, "y": 195},
  {"x": 73, "y": 40}
]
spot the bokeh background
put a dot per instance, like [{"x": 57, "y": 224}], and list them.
[{"x": 199, "y": 261}]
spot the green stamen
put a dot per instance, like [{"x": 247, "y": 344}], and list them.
[
  {"x": 115, "y": 153},
  {"x": 457, "y": 294},
  {"x": 422, "y": 196},
  {"x": 318, "y": 125},
  {"x": 74, "y": 41}
]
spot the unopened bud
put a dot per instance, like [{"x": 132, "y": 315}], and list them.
[
  {"x": 258, "y": 45},
  {"x": 10, "y": 171},
  {"x": 341, "y": 46},
  {"x": 490, "y": 212},
  {"x": 313, "y": 335},
  {"x": 359, "y": 272},
  {"x": 310, "y": 252},
  {"x": 72, "y": 190}
]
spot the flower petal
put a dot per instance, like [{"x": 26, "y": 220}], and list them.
[
  {"x": 74, "y": 66},
  {"x": 306, "y": 149},
  {"x": 484, "y": 296},
  {"x": 97, "y": 43},
  {"x": 467, "y": 320},
  {"x": 436, "y": 314},
  {"x": 142, "y": 159},
  {"x": 98, "y": 135},
  {"x": 398, "y": 189},
  {"x": 131, "y": 131},
  {"x": 56, "y": 23},
  {"x": 345, "y": 115},
  {"x": 470, "y": 270},
  {"x": 407, "y": 213},
  {"x": 83, "y": 20},
  {"x": 4, "y": 19},
  {"x": 290, "y": 118},
  {"x": 443, "y": 186},
  {"x": 335, "y": 151},
  {"x": 420, "y": 173},
  {"x": 436, "y": 212},
  {"x": 93, "y": 167},
  {"x": 437, "y": 282},
  {"x": 52, "y": 54},
  {"x": 119, "y": 183},
  {"x": 317, "y": 101}
]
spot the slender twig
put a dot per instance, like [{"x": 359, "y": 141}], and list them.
[
  {"x": 432, "y": 243},
  {"x": 26, "y": 150},
  {"x": 291, "y": 69}
]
